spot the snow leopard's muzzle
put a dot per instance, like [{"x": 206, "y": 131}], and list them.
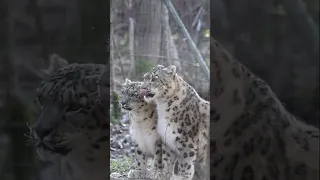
[
  {"x": 124, "y": 103},
  {"x": 145, "y": 90},
  {"x": 43, "y": 134}
]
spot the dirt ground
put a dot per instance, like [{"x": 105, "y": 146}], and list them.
[{"x": 120, "y": 141}]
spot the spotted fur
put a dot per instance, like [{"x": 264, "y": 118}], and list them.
[
  {"x": 252, "y": 135},
  {"x": 71, "y": 122},
  {"x": 183, "y": 120},
  {"x": 143, "y": 130}
]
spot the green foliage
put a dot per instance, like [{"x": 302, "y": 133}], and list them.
[
  {"x": 206, "y": 33},
  {"x": 113, "y": 120},
  {"x": 121, "y": 165},
  {"x": 17, "y": 111},
  {"x": 142, "y": 66},
  {"x": 116, "y": 110}
]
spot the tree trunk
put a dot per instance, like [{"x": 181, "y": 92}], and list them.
[{"x": 148, "y": 28}]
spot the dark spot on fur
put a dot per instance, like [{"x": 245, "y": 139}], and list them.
[
  {"x": 217, "y": 159},
  {"x": 213, "y": 146},
  {"x": 151, "y": 115},
  {"x": 191, "y": 154},
  {"x": 218, "y": 91},
  {"x": 236, "y": 73},
  {"x": 301, "y": 170},
  {"x": 250, "y": 97},
  {"x": 185, "y": 155},
  {"x": 215, "y": 117},
  {"x": 247, "y": 148},
  {"x": 103, "y": 139},
  {"x": 236, "y": 97},
  {"x": 303, "y": 142},
  {"x": 96, "y": 146},
  {"x": 247, "y": 173},
  {"x": 191, "y": 145}
]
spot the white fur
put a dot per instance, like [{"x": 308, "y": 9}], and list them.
[
  {"x": 164, "y": 130},
  {"x": 141, "y": 130}
]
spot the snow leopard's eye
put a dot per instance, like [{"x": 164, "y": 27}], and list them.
[
  {"x": 154, "y": 78},
  {"x": 73, "y": 107}
]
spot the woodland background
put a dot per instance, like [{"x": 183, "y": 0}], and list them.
[{"x": 276, "y": 39}]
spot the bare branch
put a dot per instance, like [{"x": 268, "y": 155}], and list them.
[{"x": 192, "y": 45}]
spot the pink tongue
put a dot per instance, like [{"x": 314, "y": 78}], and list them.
[{"x": 143, "y": 92}]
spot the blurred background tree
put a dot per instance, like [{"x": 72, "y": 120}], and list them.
[{"x": 30, "y": 32}]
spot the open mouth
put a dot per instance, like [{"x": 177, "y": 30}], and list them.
[
  {"x": 57, "y": 150},
  {"x": 126, "y": 108},
  {"x": 146, "y": 92},
  {"x": 149, "y": 94}
]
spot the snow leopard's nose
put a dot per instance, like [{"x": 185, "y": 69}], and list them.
[
  {"x": 42, "y": 132},
  {"x": 143, "y": 91},
  {"x": 123, "y": 102}
]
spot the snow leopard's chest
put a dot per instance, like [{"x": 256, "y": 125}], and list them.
[
  {"x": 168, "y": 126},
  {"x": 144, "y": 133},
  {"x": 166, "y": 129},
  {"x": 146, "y": 139}
]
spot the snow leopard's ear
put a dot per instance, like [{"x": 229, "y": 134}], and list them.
[
  {"x": 170, "y": 70},
  {"x": 127, "y": 81},
  {"x": 159, "y": 66}
]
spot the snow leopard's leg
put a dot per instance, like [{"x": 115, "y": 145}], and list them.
[
  {"x": 140, "y": 164},
  {"x": 157, "y": 172},
  {"x": 168, "y": 158},
  {"x": 157, "y": 163},
  {"x": 184, "y": 165}
]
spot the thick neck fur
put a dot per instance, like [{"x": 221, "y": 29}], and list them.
[
  {"x": 178, "y": 86},
  {"x": 81, "y": 165},
  {"x": 142, "y": 110}
]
